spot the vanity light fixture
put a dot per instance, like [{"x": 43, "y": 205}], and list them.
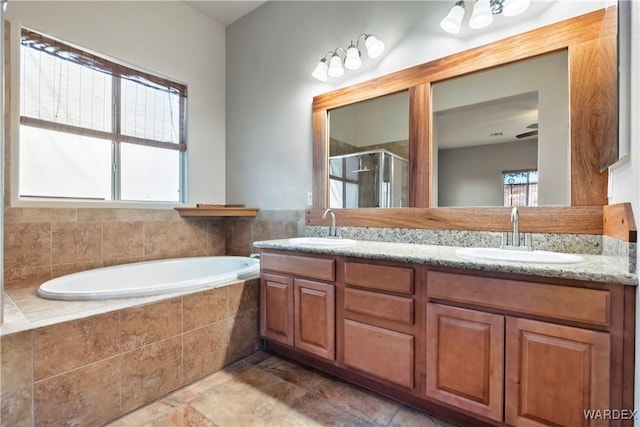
[
  {"x": 350, "y": 58},
  {"x": 482, "y": 14}
]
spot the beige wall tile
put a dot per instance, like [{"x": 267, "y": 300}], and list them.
[
  {"x": 27, "y": 277},
  {"x": 269, "y": 230},
  {"x": 58, "y": 270},
  {"x": 27, "y": 244},
  {"x": 120, "y": 261},
  {"x": 146, "y": 324},
  {"x": 18, "y": 215},
  {"x": 217, "y": 236},
  {"x": 206, "y": 350},
  {"x": 203, "y": 308},
  {"x": 243, "y": 297},
  {"x": 240, "y": 237},
  {"x": 76, "y": 242},
  {"x": 150, "y": 372},
  {"x": 17, "y": 379},
  {"x": 160, "y": 239},
  {"x": 88, "y": 396},
  {"x": 127, "y": 215},
  {"x": 193, "y": 236},
  {"x": 245, "y": 335},
  {"x": 65, "y": 346},
  {"x": 123, "y": 239}
]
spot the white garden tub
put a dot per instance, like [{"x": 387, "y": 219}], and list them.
[{"x": 151, "y": 278}]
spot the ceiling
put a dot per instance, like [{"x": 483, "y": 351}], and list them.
[
  {"x": 224, "y": 12},
  {"x": 492, "y": 122}
]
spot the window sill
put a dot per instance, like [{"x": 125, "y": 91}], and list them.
[{"x": 89, "y": 204}]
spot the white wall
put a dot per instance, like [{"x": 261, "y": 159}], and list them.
[
  {"x": 270, "y": 56},
  {"x": 165, "y": 37}
]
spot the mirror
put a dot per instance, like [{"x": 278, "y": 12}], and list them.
[
  {"x": 501, "y": 136},
  {"x": 589, "y": 44},
  {"x": 368, "y": 153}
]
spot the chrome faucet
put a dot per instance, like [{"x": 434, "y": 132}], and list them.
[
  {"x": 333, "y": 231},
  {"x": 514, "y": 221},
  {"x": 515, "y": 236}
]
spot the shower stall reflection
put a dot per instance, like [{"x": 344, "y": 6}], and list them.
[{"x": 368, "y": 179}]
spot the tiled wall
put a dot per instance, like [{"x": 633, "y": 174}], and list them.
[
  {"x": 44, "y": 243},
  {"x": 268, "y": 225},
  {"x": 92, "y": 370}
]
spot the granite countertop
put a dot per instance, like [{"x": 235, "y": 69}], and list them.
[{"x": 595, "y": 268}]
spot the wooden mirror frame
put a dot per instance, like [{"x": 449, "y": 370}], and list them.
[{"x": 591, "y": 42}]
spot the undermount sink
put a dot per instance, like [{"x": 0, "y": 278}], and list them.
[
  {"x": 324, "y": 242},
  {"x": 541, "y": 257}
]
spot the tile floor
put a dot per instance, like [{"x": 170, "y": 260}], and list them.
[{"x": 266, "y": 390}]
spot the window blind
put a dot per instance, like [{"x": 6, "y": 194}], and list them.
[{"x": 67, "y": 89}]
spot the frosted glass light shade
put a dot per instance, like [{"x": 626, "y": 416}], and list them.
[
  {"x": 335, "y": 66},
  {"x": 352, "y": 61},
  {"x": 374, "y": 46},
  {"x": 320, "y": 72},
  {"x": 481, "y": 16},
  {"x": 515, "y": 7},
  {"x": 452, "y": 22}
]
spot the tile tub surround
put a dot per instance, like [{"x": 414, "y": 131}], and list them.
[
  {"x": 265, "y": 389},
  {"x": 40, "y": 244},
  {"x": 595, "y": 268},
  {"x": 94, "y": 369}
]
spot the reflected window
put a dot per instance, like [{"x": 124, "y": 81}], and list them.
[{"x": 520, "y": 188}]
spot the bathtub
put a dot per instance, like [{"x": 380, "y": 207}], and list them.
[{"x": 151, "y": 278}]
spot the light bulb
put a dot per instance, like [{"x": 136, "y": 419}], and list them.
[
  {"x": 352, "y": 61},
  {"x": 515, "y": 7},
  {"x": 451, "y": 23},
  {"x": 320, "y": 72},
  {"x": 374, "y": 46},
  {"x": 335, "y": 66},
  {"x": 481, "y": 16}
]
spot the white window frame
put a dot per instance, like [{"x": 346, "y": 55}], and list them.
[{"x": 18, "y": 201}]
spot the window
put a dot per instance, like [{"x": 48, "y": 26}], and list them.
[
  {"x": 94, "y": 129},
  {"x": 520, "y": 188}
]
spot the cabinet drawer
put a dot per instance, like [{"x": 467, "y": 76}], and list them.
[
  {"x": 381, "y": 306},
  {"x": 385, "y": 354},
  {"x": 381, "y": 277},
  {"x": 560, "y": 302},
  {"x": 313, "y": 268}
]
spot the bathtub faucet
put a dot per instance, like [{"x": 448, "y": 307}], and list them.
[{"x": 333, "y": 231}]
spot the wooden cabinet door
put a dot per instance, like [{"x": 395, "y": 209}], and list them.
[
  {"x": 386, "y": 354},
  {"x": 276, "y": 308},
  {"x": 315, "y": 318},
  {"x": 465, "y": 359},
  {"x": 555, "y": 373}
]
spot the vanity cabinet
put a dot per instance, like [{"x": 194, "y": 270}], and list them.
[
  {"x": 378, "y": 321},
  {"x": 479, "y": 348},
  {"x": 465, "y": 357},
  {"x": 554, "y": 373},
  {"x": 544, "y": 372},
  {"x": 296, "y": 308}
]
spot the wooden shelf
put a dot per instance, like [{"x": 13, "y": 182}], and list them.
[{"x": 217, "y": 210}]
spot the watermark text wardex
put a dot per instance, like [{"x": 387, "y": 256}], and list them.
[{"x": 611, "y": 414}]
